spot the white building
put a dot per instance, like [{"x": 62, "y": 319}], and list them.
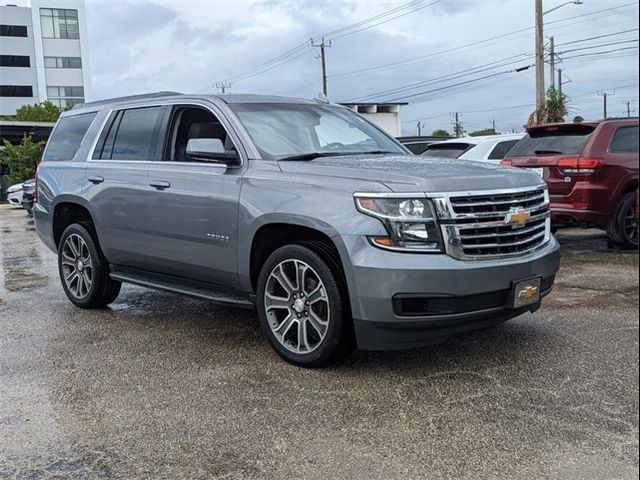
[
  {"x": 43, "y": 54},
  {"x": 387, "y": 116}
]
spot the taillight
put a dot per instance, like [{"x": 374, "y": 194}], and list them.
[
  {"x": 579, "y": 166},
  {"x": 507, "y": 163}
]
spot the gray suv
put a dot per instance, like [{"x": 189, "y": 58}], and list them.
[{"x": 303, "y": 210}]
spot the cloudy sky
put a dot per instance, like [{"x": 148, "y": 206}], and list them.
[{"x": 441, "y": 56}]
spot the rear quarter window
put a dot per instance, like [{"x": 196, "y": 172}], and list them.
[
  {"x": 501, "y": 149},
  {"x": 569, "y": 140},
  {"x": 67, "y": 137},
  {"x": 447, "y": 150},
  {"x": 625, "y": 140}
]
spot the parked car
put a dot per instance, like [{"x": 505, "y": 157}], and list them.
[
  {"x": 301, "y": 209},
  {"x": 489, "y": 148},
  {"x": 592, "y": 172},
  {"x": 14, "y": 194},
  {"x": 418, "y": 144},
  {"x": 28, "y": 199}
]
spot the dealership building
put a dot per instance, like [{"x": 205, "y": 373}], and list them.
[{"x": 43, "y": 54}]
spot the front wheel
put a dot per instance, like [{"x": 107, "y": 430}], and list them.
[
  {"x": 301, "y": 307},
  {"x": 623, "y": 230},
  {"x": 83, "y": 270}
]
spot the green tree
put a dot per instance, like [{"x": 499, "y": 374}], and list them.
[
  {"x": 39, "y": 112},
  {"x": 22, "y": 159},
  {"x": 484, "y": 131},
  {"x": 440, "y": 133},
  {"x": 556, "y": 107}
]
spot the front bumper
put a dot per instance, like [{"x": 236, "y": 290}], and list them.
[
  {"x": 377, "y": 277},
  {"x": 15, "y": 198}
]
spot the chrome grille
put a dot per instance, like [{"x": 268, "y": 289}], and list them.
[{"x": 481, "y": 225}]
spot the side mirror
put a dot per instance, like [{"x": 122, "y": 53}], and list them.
[{"x": 210, "y": 150}]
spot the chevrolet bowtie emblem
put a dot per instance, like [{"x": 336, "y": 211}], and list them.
[{"x": 517, "y": 217}]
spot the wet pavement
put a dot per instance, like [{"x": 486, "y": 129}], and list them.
[{"x": 163, "y": 386}]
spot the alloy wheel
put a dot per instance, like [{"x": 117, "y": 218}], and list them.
[
  {"x": 77, "y": 266},
  {"x": 631, "y": 224},
  {"x": 297, "y": 306}
]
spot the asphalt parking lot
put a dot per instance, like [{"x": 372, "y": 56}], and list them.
[{"x": 163, "y": 386}]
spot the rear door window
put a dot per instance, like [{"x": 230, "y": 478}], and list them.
[
  {"x": 569, "y": 140},
  {"x": 501, "y": 149},
  {"x": 67, "y": 137},
  {"x": 447, "y": 150},
  {"x": 625, "y": 140},
  {"x": 131, "y": 135}
]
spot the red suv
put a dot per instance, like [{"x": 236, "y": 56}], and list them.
[{"x": 592, "y": 172}]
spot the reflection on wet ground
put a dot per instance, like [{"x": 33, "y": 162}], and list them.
[{"x": 164, "y": 386}]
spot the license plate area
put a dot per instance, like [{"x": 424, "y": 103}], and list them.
[
  {"x": 526, "y": 292},
  {"x": 538, "y": 171}
]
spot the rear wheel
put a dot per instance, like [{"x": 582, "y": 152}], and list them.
[
  {"x": 301, "y": 307},
  {"x": 84, "y": 272},
  {"x": 623, "y": 229}
]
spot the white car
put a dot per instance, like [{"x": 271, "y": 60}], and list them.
[
  {"x": 490, "y": 148},
  {"x": 14, "y": 194}
]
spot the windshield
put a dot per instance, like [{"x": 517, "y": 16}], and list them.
[
  {"x": 569, "y": 140},
  {"x": 282, "y": 130}
]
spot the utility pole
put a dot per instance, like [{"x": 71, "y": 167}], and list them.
[
  {"x": 420, "y": 127},
  {"x": 628, "y": 102},
  {"x": 223, "y": 86},
  {"x": 539, "y": 63},
  {"x": 552, "y": 62},
  {"x": 323, "y": 59},
  {"x": 493, "y": 124},
  {"x": 457, "y": 126},
  {"x": 604, "y": 96},
  {"x": 560, "y": 83}
]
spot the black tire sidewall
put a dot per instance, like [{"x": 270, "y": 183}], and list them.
[
  {"x": 626, "y": 202},
  {"x": 333, "y": 343},
  {"x": 100, "y": 271}
]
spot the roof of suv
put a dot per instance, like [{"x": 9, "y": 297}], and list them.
[
  {"x": 591, "y": 123},
  {"x": 230, "y": 99}
]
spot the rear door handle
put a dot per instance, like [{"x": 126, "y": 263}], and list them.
[
  {"x": 160, "y": 184},
  {"x": 96, "y": 180}
]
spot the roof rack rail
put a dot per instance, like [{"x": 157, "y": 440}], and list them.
[{"x": 126, "y": 98}]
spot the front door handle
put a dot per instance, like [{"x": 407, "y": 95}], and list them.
[
  {"x": 96, "y": 180},
  {"x": 160, "y": 184}
]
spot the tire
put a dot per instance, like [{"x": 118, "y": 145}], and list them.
[
  {"x": 623, "y": 229},
  {"x": 83, "y": 270},
  {"x": 309, "y": 326}
]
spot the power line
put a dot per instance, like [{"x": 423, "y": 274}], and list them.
[
  {"x": 467, "y": 82},
  {"x": 610, "y": 44},
  {"x": 600, "y": 53},
  {"x": 450, "y": 76},
  {"x": 592, "y": 13},
  {"x": 387, "y": 20},
  {"x": 597, "y": 37},
  {"x": 472, "y": 44},
  {"x": 299, "y": 50}
]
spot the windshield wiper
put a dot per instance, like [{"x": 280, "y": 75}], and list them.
[
  {"x": 311, "y": 156},
  {"x": 547, "y": 152},
  {"x": 374, "y": 152}
]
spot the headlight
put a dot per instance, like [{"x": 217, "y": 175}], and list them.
[{"x": 410, "y": 222}]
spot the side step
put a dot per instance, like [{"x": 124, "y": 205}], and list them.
[{"x": 179, "y": 285}]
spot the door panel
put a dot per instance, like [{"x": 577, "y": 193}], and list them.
[
  {"x": 194, "y": 221},
  {"x": 120, "y": 209}
]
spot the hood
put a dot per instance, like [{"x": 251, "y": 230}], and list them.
[{"x": 409, "y": 173}]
